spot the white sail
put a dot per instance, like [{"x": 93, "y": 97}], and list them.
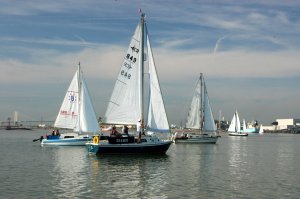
[
  {"x": 232, "y": 124},
  {"x": 125, "y": 104},
  {"x": 157, "y": 117},
  {"x": 68, "y": 114},
  {"x": 244, "y": 125},
  {"x": 194, "y": 115},
  {"x": 209, "y": 122},
  {"x": 238, "y": 123},
  {"x": 76, "y": 111},
  {"x": 235, "y": 125},
  {"x": 88, "y": 119}
]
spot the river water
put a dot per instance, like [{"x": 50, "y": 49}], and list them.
[{"x": 256, "y": 166}]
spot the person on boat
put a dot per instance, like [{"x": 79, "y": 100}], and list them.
[
  {"x": 139, "y": 130},
  {"x": 57, "y": 132},
  {"x": 125, "y": 129},
  {"x": 113, "y": 131}
]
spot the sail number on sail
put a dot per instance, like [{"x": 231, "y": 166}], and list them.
[
  {"x": 63, "y": 112},
  {"x": 128, "y": 65},
  {"x": 125, "y": 74},
  {"x": 131, "y": 58}
]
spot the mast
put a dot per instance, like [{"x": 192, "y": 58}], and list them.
[
  {"x": 142, "y": 68},
  {"x": 79, "y": 97},
  {"x": 201, "y": 103}
]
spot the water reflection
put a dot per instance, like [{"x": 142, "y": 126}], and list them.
[
  {"x": 237, "y": 162},
  {"x": 129, "y": 176},
  {"x": 191, "y": 167},
  {"x": 70, "y": 172}
]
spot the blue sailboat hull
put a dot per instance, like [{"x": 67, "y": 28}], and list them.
[
  {"x": 58, "y": 141},
  {"x": 129, "y": 148}
]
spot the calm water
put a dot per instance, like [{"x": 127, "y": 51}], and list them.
[{"x": 254, "y": 167}]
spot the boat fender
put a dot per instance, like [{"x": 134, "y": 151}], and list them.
[{"x": 96, "y": 140}]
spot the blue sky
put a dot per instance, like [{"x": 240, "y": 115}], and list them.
[{"x": 247, "y": 50}]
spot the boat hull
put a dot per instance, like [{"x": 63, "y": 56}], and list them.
[
  {"x": 69, "y": 139},
  {"x": 237, "y": 134},
  {"x": 17, "y": 128},
  {"x": 129, "y": 148},
  {"x": 201, "y": 139},
  {"x": 251, "y": 130}
]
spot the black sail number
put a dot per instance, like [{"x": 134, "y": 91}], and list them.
[
  {"x": 125, "y": 74},
  {"x": 131, "y": 58}
]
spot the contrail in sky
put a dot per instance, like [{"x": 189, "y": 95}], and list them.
[{"x": 218, "y": 43}]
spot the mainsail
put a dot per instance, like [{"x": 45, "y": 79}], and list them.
[
  {"x": 68, "y": 114},
  {"x": 194, "y": 115},
  {"x": 76, "y": 111},
  {"x": 157, "y": 117},
  {"x": 125, "y": 105}
]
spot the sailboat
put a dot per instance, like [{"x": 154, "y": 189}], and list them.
[
  {"x": 200, "y": 118},
  {"x": 235, "y": 126},
  {"x": 244, "y": 126},
  {"x": 76, "y": 113},
  {"x": 126, "y": 105}
]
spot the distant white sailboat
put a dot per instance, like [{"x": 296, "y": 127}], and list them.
[
  {"x": 244, "y": 126},
  {"x": 76, "y": 113},
  {"x": 235, "y": 126},
  {"x": 261, "y": 130},
  {"x": 126, "y": 104},
  {"x": 199, "y": 118}
]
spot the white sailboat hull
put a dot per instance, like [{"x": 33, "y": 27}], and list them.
[
  {"x": 68, "y": 139},
  {"x": 197, "y": 139},
  {"x": 237, "y": 134}
]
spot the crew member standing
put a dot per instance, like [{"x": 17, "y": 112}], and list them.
[{"x": 139, "y": 130}]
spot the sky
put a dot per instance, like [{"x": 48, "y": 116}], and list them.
[{"x": 248, "y": 52}]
